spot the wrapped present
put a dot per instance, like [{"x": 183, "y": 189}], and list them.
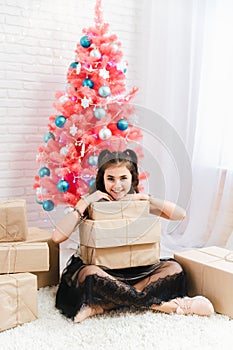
[
  {"x": 51, "y": 277},
  {"x": 118, "y": 210},
  {"x": 210, "y": 273},
  {"x": 121, "y": 243},
  {"x": 24, "y": 257},
  {"x": 18, "y": 299},
  {"x": 115, "y": 233},
  {"x": 122, "y": 257},
  {"x": 13, "y": 220}
]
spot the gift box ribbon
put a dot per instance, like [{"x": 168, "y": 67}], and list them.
[
  {"x": 228, "y": 257},
  {"x": 6, "y": 232}
]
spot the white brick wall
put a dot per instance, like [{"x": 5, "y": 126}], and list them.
[{"x": 37, "y": 40}]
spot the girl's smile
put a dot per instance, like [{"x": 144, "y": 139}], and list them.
[{"x": 117, "y": 181}]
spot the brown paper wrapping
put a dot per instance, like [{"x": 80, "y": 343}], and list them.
[
  {"x": 13, "y": 220},
  {"x": 23, "y": 257},
  {"x": 118, "y": 210},
  {"x": 122, "y": 257},
  {"x": 115, "y": 233},
  {"x": 51, "y": 277},
  {"x": 210, "y": 273},
  {"x": 18, "y": 299}
]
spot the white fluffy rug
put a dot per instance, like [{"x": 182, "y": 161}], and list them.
[{"x": 145, "y": 330}]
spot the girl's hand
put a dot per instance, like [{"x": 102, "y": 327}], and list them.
[
  {"x": 135, "y": 197},
  {"x": 95, "y": 197}
]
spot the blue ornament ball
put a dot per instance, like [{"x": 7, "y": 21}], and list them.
[
  {"x": 48, "y": 205},
  {"x": 93, "y": 160},
  {"x": 88, "y": 82},
  {"x": 104, "y": 91},
  {"x": 122, "y": 124},
  {"x": 48, "y": 136},
  {"x": 63, "y": 186},
  {"x": 91, "y": 182},
  {"x": 85, "y": 41},
  {"x": 99, "y": 113},
  {"x": 73, "y": 64},
  {"x": 44, "y": 171},
  {"x": 60, "y": 121}
]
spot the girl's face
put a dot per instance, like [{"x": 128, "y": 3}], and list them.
[{"x": 117, "y": 181}]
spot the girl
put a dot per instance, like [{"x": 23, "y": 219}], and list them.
[{"x": 88, "y": 290}]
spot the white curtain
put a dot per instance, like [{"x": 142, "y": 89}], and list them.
[{"x": 186, "y": 66}]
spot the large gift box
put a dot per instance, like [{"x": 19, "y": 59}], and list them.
[
  {"x": 51, "y": 277},
  {"x": 13, "y": 220},
  {"x": 122, "y": 257},
  {"x": 210, "y": 273},
  {"x": 126, "y": 242},
  {"x": 24, "y": 257},
  {"x": 114, "y": 233},
  {"x": 118, "y": 210},
  {"x": 18, "y": 299}
]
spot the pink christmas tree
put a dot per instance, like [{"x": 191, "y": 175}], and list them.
[{"x": 93, "y": 113}]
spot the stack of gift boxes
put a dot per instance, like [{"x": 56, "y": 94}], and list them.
[
  {"x": 124, "y": 234},
  {"x": 120, "y": 235},
  {"x": 29, "y": 260}
]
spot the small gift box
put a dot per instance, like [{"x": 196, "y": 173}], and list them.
[
  {"x": 24, "y": 257},
  {"x": 13, "y": 220},
  {"x": 18, "y": 299}
]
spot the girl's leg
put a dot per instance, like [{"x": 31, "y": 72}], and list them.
[
  {"x": 170, "y": 277},
  {"x": 103, "y": 290},
  {"x": 168, "y": 268},
  {"x": 166, "y": 283},
  {"x": 91, "y": 310}
]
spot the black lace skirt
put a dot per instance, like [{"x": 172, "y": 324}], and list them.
[{"x": 72, "y": 295}]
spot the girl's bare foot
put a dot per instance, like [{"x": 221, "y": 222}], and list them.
[
  {"x": 88, "y": 311},
  {"x": 197, "y": 305},
  {"x": 167, "y": 307}
]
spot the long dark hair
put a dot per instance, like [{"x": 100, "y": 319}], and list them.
[{"x": 107, "y": 159}]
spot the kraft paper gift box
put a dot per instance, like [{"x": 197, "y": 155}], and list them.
[
  {"x": 51, "y": 277},
  {"x": 118, "y": 210},
  {"x": 13, "y": 220},
  {"x": 114, "y": 233},
  {"x": 18, "y": 299},
  {"x": 24, "y": 257},
  {"x": 210, "y": 273},
  {"x": 122, "y": 257},
  {"x": 127, "y": 242}
]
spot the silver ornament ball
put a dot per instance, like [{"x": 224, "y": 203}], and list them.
[
  {"x": 95, "y": 53},
  {"x": 99, "y": 113},
  {"x": 105, "y": 133}
]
